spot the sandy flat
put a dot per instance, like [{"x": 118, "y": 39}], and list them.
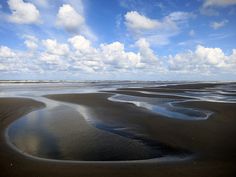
[{"x": 211, "y": 141}]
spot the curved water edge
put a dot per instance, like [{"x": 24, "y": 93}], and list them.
[
  {"x": 208, "y": 95},
  {"x": 168, "y": 108},
  {"x": 162, "y": 160},
  {"x": 172, "y": 108},
  {"x": 36, "y": 135}
]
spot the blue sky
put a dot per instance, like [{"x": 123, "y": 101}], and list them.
[{"x": 118, "y": 39}]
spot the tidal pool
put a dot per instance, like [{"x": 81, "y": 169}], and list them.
[{"x": 64, "y": 131}]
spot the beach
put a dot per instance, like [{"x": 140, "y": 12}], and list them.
[{"x": 187, "y": 148}]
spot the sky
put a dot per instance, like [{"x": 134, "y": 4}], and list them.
[{"x": 118, "y": 40}]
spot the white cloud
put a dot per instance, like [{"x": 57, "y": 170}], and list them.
[
  {"x": 55, "y": 55},
  {"x": 31, "y": 42},
  {"x": 156, "y": 31},
  {"x": 53, "y": 47},
  {"x": 147, "y": 54},
  {"x": 79, "y": 56},
  {"x": 136, "y": 21},
  {"x": 80, "y": 43},
  {"x": 180, "y": 16},
  {"x": 6, "y": 52},
  {"x": 218, "y": 3},
  {"x": 110, "y": 57},
  {"x": 50, "y": 58},
  {"x": 217, "y": 25},
  {"x": 232, "y": 59},
  {"x": 203, "y": 59},
  {"x": 114, "y": 54},
  {"x": 106, "y": 56},
  {"x": 212, "y": 56},
  {"x": 2, "y": 67},
  {"x": 69, "y": 18},
  {"x": 55, "y": 62},
  {"x": 12, "y": 61},
  {"x": 23, "y": 12}
]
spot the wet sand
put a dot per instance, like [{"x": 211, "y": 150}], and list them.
[
  {"x": 210, "y": 137},
  {"x": 211, "y": 140}
]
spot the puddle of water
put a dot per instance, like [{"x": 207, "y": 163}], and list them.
[
  {"x": 165, "y": 108},
  {"x": 64, "y": 131}
]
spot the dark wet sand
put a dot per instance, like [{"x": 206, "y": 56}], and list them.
[{"x": 212, "y": 141}]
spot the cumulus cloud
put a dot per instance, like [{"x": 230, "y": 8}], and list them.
[
  {"x": 23, "y": 12},
  {"x": 203, "y": 59},
  {"x": 80, "y": 43},
  {"x": 156, "y": 30},
  {"x": 136, "y": 21},
  {"x": 31, "y": 42},
  {"x": 217, "y": 25},
  {"x": 115, "y": 55},
  {"x": 69, "y": 18},
  {"x": 54, "y": 56},
  {"x": 78, "y": 55},
  {"x": 212, "y": 56},
  {"x": 55, "y": 62},
  {"x": 12, "y": 61},
  {"x": 81, "y": 55},
  {"x": 107, "y": 57},
  {"x": 55, "y": 48},
  {"x": 146, "y": 53},
  {"x": 6, "y": 52}
]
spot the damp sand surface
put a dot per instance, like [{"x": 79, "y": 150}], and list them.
[{"x": 210, "y": 142}]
